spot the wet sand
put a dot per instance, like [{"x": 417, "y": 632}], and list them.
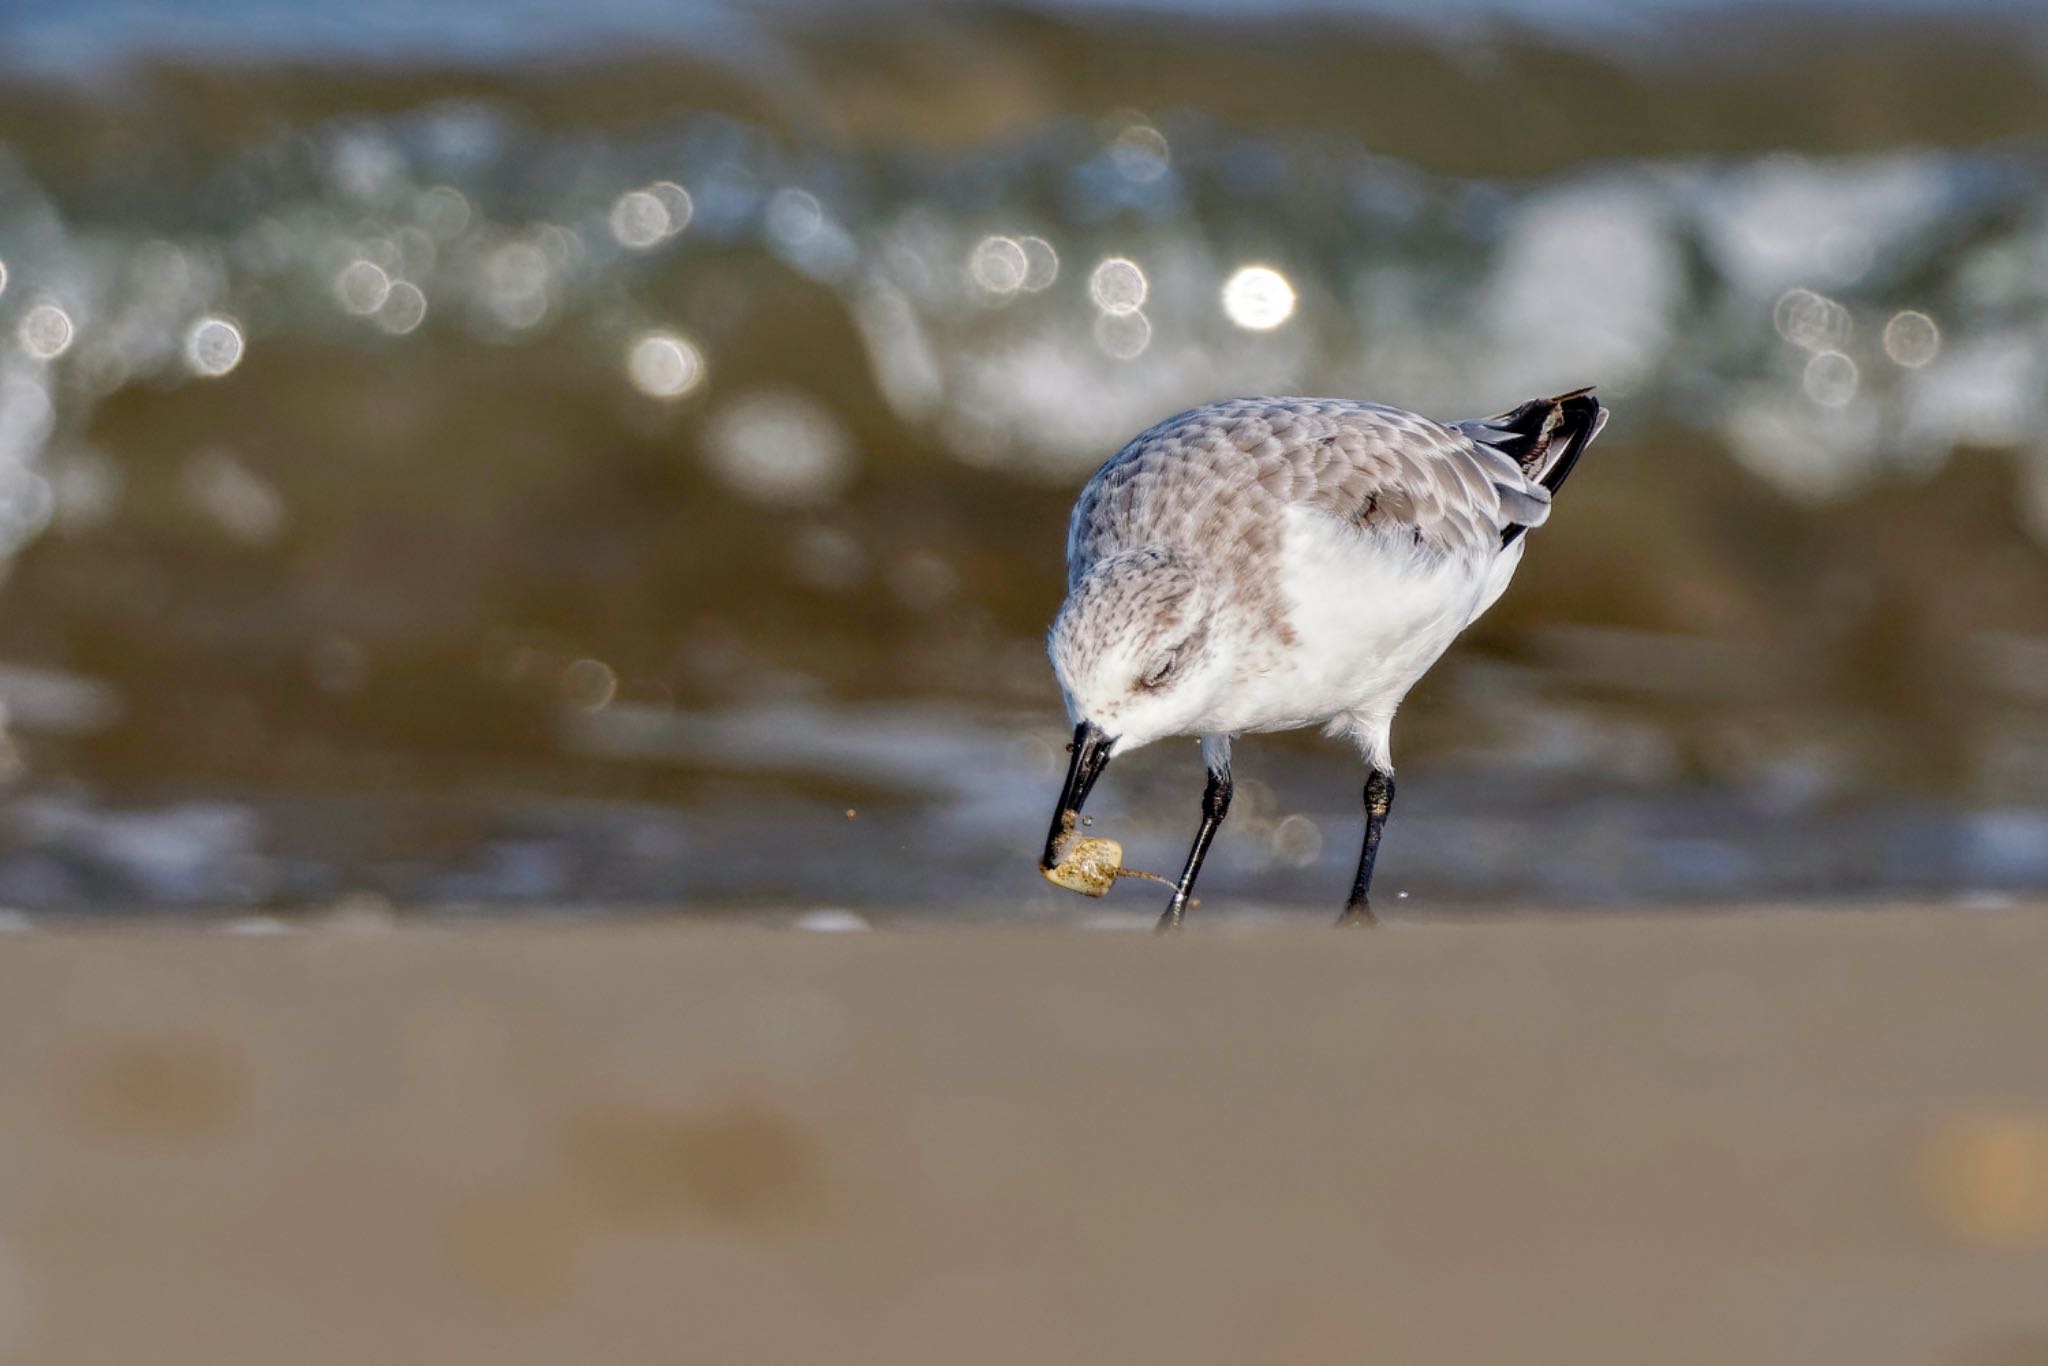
[{"x": 1711, "y": 1138}]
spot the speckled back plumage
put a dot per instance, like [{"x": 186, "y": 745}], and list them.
[
  {"x": 1214, "y": 477},
  {"x": 1215, "y": 480}
]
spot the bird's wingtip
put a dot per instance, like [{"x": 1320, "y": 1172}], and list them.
[{"x": 1545, "y": 436}]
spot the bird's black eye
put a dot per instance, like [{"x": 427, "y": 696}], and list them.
[{"x": 1158, "y": 671}]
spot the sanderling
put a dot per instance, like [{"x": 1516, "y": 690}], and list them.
[{"x": 1264, "y": 564}]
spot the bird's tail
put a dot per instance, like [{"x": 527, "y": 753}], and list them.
[{"x": 1545, "y": 436}]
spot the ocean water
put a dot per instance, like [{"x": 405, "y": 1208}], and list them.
[
  {"x": 436, "y": 477},
  {"x": 87, "y": 36}
]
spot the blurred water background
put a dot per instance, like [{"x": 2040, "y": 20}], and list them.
[{"x": 475, "y": 457}]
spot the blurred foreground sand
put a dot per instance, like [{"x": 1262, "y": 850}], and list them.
[{"x": 1798, "y": 1138}]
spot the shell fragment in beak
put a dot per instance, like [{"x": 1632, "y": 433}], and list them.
[{"x": 1090, "y": 866}]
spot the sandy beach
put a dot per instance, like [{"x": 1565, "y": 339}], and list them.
[{"x": 1810, "y": 1137}]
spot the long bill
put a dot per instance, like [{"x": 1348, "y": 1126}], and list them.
[{"x": 1088, "y": 756}]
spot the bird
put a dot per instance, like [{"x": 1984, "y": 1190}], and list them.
[{"x": 1268, "y": 564}]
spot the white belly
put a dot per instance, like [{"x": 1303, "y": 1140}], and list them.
[{"x": 1368, "y": 622}]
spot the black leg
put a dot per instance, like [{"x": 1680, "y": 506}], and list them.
[
  {"x": 1215, "y": 804},
  {"x": 1379, "y": 800}
]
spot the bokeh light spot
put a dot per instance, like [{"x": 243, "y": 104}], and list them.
[
  {"x": 213, "y": 346},
  {"x": 1295, "y": 841},
  {"x": 1831, "y": 379},
  {"x": 779, "y": 446},
  {"x": 1984, "y": 1178},
  {"x": 664, "y": 365},
  {"x": 362, "y": 286},
  {"x": 590, "y": 684},
  {"x": 999, "y": 265},
  {"x": 1258, "y": 298},
  {"x": 238, "y": 500},
  {"x": 517, "y": 275},
  {"x": 640, "y": 219},
  {"x": 1811, "y": 321},
  {"x": 1118, "y": 286},
  {"x": 46, "y": 331},
  {"x": 794, "y": 216},
  {"x": 444, "y": 211},
  {"x": 1911, "y": 339},
  {"x": 557, "y": 245},
  {"x": 1140, "y": 153},
  {"x": 1042, "y": 263},
  {"x": 405, "y": 308},
  {"x": 1123, "y": 335},
  {"x": 681, "y": 208}
]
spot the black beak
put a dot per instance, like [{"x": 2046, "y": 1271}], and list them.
[{"x": 1089, "y": 756}]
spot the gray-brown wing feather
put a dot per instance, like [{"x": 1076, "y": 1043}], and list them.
[{"x": 1216, "y": 476}]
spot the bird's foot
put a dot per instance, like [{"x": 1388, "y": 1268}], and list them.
[{"x": 1358, "y": 914}]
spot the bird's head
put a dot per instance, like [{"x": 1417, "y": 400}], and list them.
[
  {"x": 1133, "y": 649},
  {"x": 1134, "y": 653}
]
